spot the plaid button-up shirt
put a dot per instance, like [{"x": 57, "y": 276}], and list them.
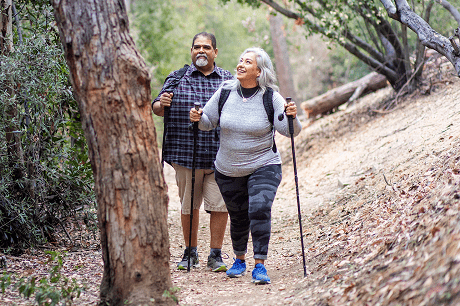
[{"x": 193, "y": 87}]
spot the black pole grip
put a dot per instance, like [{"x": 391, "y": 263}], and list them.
[
  {"x": 191, "y": 126},
  {"x": 290, "y": 118}
]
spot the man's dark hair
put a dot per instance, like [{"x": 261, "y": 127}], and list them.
[{"x": 209, "y": 36}]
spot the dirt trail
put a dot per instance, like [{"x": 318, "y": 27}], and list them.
[
  {"x": 380, "y": 207},
  {"x": 343, "y": 161}
]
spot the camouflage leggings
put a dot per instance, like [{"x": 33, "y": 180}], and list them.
[{"x": 249, "y": 202}]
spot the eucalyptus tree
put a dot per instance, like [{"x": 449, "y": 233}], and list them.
[
  {"x": 111, "y": 84},
  {"x": 363, "y": 28}
]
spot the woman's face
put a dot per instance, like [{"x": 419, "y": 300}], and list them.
[{"x": 247, "y": 70}]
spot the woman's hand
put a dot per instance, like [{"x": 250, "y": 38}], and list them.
[
  {"x": 195, "y": 115},
  {"x": 291, "y": 109}
]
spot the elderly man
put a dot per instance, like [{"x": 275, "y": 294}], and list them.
[{"x": 199, "y": 82}]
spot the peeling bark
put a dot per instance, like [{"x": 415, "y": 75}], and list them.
[{"x": 112, "y": 87}]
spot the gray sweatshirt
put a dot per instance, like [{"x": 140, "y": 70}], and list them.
[{"x": 246, "y": 136}]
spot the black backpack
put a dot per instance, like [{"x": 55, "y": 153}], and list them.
[
  {"x": 268, "y": 105},
  {"x": 176, "y": 78}
]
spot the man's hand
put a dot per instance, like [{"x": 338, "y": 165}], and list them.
[{"x": 165, "y": 99}]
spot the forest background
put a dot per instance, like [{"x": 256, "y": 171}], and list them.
[
  {"x": 44, "y": 162},
  {"x": 46, "y": 180}
]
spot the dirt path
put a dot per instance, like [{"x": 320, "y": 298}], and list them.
[
  {"x": 343, "y": 161},
  {"x": 380, "y": 207}
]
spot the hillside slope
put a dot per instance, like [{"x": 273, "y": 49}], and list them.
[
  {"x": 380, "y": 201},
  {"x": 380, "y": 205},
  {"x": 384, "y": 193}
]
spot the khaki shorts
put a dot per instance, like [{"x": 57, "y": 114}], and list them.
[{"x": 205, "y": 189}]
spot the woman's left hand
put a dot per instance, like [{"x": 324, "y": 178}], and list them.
[
  {"x": 291, "y": 109},
  {"x": 195, "y": 115}
]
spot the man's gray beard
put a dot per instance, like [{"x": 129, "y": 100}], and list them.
[{"x": 201, "y": 62}]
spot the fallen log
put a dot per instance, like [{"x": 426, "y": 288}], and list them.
[{"x": 345, "y": 93}]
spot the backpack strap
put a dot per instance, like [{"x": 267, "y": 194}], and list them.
[
  {"x": 268, "y": 105},
  {"x": 176, "y": 78},
  {"x": 224, "y": 93}
]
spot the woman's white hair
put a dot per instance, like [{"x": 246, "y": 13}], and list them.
[{"x": 267, "y": 76}]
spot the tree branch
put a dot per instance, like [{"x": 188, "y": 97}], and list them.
[
  {"x": 451, "y": 9},
  {"x": 390, "y": 8},
  {"x": 376, "y": 65},
  {"x": 427, "y": 36},
  {"x": 420, "y": 49},
  {"x": 18, "y": 24},
  {"x": 364, "y": 45},
  {"x": 281, "y": 9}
]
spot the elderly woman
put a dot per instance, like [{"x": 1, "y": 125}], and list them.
[{"x": 248, "y": 166}]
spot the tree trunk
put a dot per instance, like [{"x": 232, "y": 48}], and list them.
[
  {"x": 283, "y": 66},
  {"x": 348, "y": 92},
  {"x": 112, "y": 87},
  {"x": 6, "y": 26},
  {"x": 128, "y": 5}
]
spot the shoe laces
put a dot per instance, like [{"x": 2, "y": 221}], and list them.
[
  {"x": 217, "y": 257},
  {"x": 260, "y": 269},
  {"x": 185, "y": 257},
  {"x": 238, "y": 263}
]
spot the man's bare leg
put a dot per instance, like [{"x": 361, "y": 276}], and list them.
[
  {"x": 218, "y": 224},
  {"x": 185, "y": 219}
]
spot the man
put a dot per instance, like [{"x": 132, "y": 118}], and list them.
[{"x": 198, "y": 84}]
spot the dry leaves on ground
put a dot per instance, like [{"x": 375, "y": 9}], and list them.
[{"x": 379, "y": 195}]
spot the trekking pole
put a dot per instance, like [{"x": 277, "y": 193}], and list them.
[
  {"x": 195, "y": 136},
  {"x": 291, "y": 131}
]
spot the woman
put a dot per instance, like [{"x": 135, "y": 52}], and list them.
[{"x": 248, "y": 168}]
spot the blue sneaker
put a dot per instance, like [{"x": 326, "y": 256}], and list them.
[
  {"x": 259, "y": 275},
  {"x": 237, "y": 270}
]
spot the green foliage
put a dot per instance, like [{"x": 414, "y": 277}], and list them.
[
  {"x": 164, "y": 31},
  {"x": 363, "y": 28},
  {"x": 171, "y": 293},
  {"x": 36, "y": 16},
  {"x": 44, "y": 169},
  {"x": 345, "y": 67},
  {"x": 55, "y": 289}
]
